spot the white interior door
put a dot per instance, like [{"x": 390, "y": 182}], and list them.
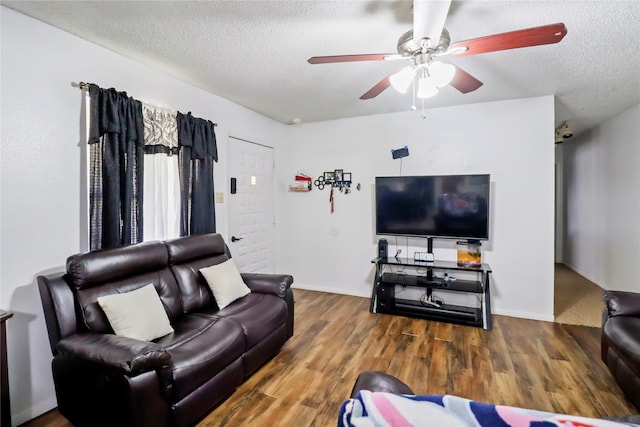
[{"x": 251, "y": 210}]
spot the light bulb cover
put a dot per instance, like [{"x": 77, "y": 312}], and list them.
[
  {"x": 426, "y": 88},
  {"x": 402, "y": 79},
  {"x": 441, "y": 73}
]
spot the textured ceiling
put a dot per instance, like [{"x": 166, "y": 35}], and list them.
[{"x": 255, "y": 52}]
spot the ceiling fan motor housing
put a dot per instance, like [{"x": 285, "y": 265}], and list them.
[{"x": 407, "y": 46}]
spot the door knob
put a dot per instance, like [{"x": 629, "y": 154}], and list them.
[{"x": 235, "y": 239}]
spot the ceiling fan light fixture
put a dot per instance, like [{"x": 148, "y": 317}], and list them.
[
  {"x": 441, "y": 74},
  {"x": 426, "y": 87},
  {"x": 402, "y": 79}
]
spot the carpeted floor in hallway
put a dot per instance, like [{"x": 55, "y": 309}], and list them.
[{"x": 577, "y": 301}]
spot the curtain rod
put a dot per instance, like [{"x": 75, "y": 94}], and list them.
[{"x": 85, "y": 86}]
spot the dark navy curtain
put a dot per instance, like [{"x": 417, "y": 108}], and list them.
[
  {"x": 116, "y": 145},
  {"x": 197, "y": 152}
]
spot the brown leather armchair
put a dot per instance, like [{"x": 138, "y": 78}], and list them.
[{"x": 621, "y": 340}]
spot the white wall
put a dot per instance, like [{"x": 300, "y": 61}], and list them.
[
  {"x": 511, "y": 140},
  {"x": 602, "y": 201},
  {"x": 41, "y": 169},
  {"x": 559, "y": 205}
]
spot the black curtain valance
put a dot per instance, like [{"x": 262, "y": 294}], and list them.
[
  {"x": 197, "y": 134},
  {"x": 116, "y": 113}
]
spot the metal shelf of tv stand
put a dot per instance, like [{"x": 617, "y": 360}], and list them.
[{"x": 451, "y": 313}]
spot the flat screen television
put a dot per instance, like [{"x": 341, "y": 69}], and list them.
[{"x": 443, "y": 206}]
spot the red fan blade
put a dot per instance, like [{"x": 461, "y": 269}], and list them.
[
  {"x": 351, "y": 58},
  {"x": 377, "y": 89},
  {"x": 464, "y": 81},
  {"x": 536, "y": 36}
]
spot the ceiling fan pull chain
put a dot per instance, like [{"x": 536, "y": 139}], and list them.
[{"x": 413, "y": 93}]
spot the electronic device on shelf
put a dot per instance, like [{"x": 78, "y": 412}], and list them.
[
  {"x": 442, "y": 206},
  {"x": 412, "y": 280},
  {"x": 383, "y": 248}
]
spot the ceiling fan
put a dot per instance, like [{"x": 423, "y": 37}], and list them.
[{"x": 429, "y": 40}]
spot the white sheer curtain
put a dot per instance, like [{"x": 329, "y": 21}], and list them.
[{"x": 161, "y": 199}]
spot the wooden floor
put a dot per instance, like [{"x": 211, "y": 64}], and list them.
[{"x": 527, "y": 363}]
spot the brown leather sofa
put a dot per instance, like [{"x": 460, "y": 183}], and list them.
[
  {"x": 102, "y": 379},
  {"x": 620, "y": 345}
]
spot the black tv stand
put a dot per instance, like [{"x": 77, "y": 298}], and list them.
[{"x": 385, "y": 300}]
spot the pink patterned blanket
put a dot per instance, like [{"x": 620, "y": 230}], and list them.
[{"x": 375, "y": 409}]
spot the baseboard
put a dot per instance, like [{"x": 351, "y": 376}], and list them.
[
  {"x": 584, "y": 275},
  {"x": 340, "y": 291},
  {"x": 367, "y": 294},
  {"x": 523, "y": 315},
  {"x": 34, "y": 411}
]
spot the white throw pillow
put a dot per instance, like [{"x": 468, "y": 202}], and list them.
[
  {"x": 137, "y": 314},
  {"x": 225, "y": 282}
]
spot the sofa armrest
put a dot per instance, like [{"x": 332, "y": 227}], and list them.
[
  {"x": 620, "y": 303},
  {"x": 126, "y": 355},
  {"x": 378, "y": 381},
  {"x": 277, "y": 284}
]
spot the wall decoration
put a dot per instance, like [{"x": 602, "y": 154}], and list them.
[
  {"x": 301, "y": 183},
  {"x": 329, "y": 177},
  {"x": 336, "y": 179}
]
